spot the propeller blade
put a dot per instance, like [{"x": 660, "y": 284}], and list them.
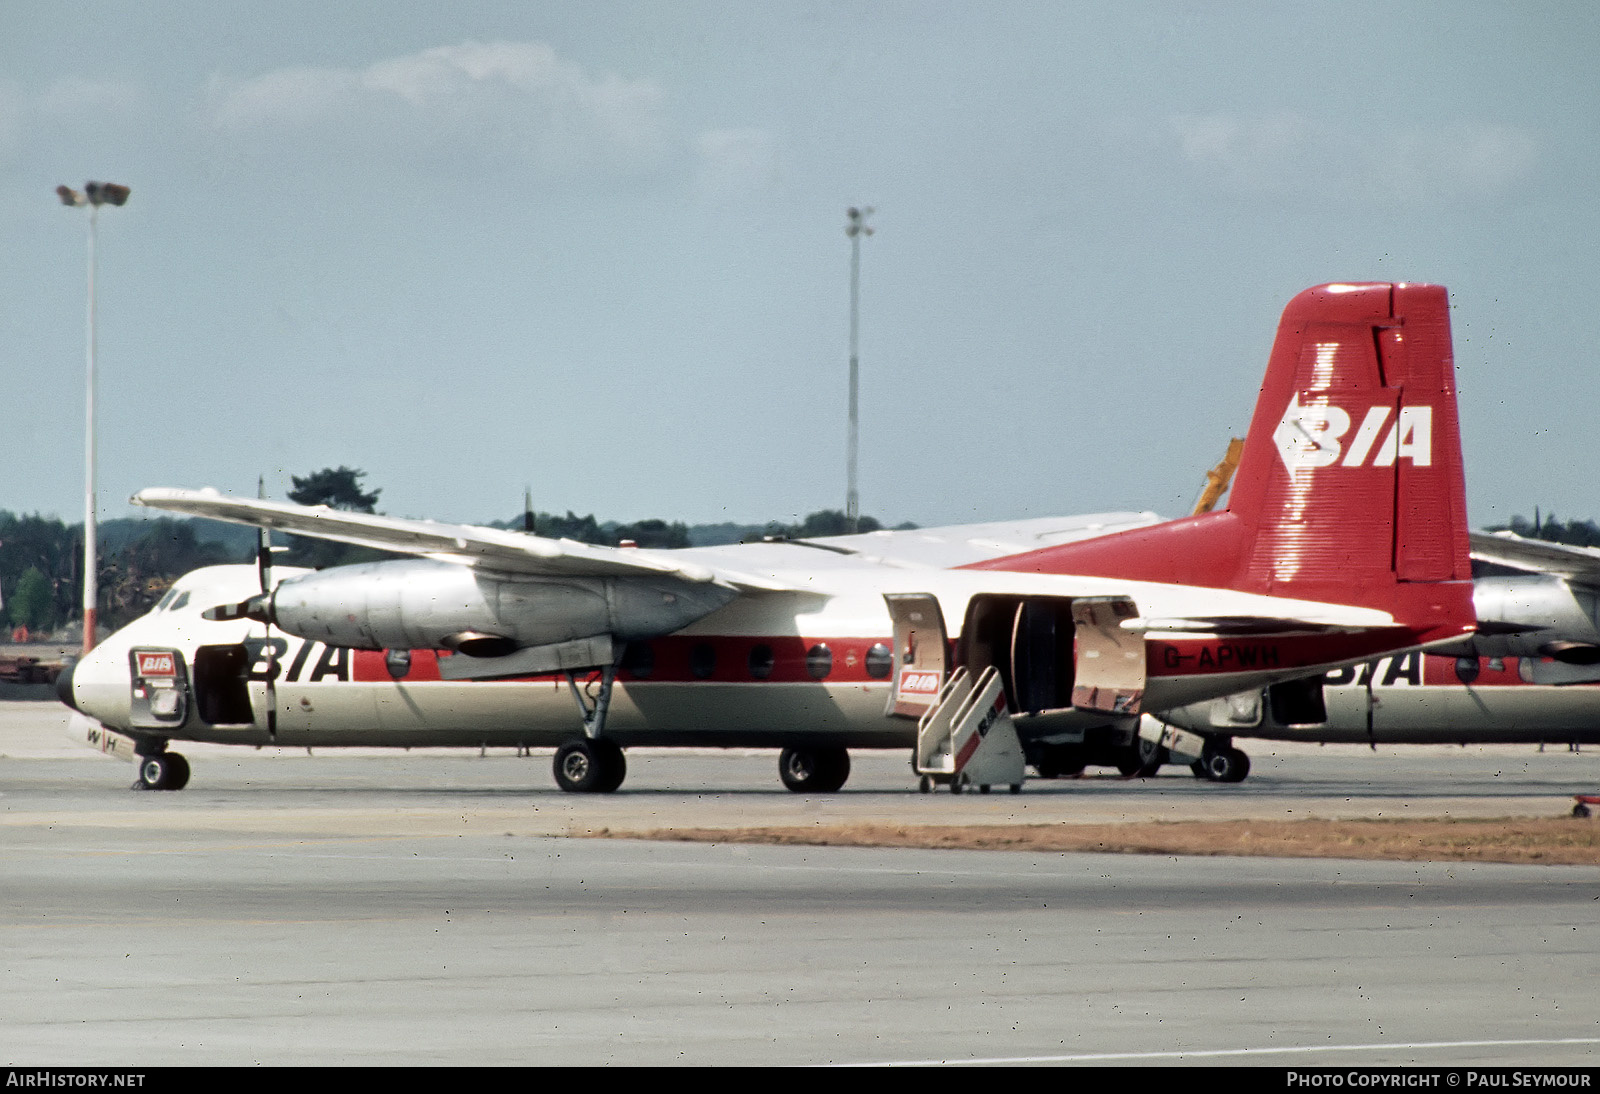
[{"x": 264, "y": 604}]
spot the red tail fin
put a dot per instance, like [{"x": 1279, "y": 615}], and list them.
[{"x": 1350, "y": 489}]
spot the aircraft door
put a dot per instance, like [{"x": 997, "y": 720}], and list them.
[
  {"x": 921, "y": 653},
  {"x": 160, "y": 681},
  {"x": 220, "y": 690},
  {"x": 1110, "y": 661},
  {"x": 1040, "y": 632},
  {"x": 1029, "y": 641}
]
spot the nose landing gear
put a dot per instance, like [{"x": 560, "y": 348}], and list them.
[{"x": 162, "y": 771}]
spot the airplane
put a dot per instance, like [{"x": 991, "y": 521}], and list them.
[
  {"x": 1344, "y": 539},
  {"x": 1530, "y": 674}
]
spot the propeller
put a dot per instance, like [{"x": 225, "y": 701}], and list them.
[{"x": 264, "y": 574}]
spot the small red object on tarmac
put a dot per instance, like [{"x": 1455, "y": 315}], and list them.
[{"x": 1584, "y": 802}]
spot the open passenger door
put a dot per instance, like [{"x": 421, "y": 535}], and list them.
[{"x": 921, "y": 653}]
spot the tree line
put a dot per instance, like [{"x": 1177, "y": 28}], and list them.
[
  {"x": 1573, "y": 533},
  {"x": 41, "y": 558}
]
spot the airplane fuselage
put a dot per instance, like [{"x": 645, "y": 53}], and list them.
[{"x": 765, "y": 671}]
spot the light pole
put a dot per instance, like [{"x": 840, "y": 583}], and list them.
[
  {"x": 855, "y": 227},
  {"x": 95, "y": 194}
]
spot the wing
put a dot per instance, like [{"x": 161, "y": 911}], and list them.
[
  {"x": 491, "y": 548},
  {"x": 1509, "y": 549}
]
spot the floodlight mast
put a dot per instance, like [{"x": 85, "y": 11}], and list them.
[
  {"x": 855, "y": 227},
  {"x": 94, "y": 195}
]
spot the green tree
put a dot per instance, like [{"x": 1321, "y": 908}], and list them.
[
  {"x": 335, "y": 487},
  {"x": 139, "y": 573},
  {"x": 653, "y": 533},
  {"x": 32, "y": 603}
]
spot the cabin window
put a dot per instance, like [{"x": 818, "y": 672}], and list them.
[
  {"x": 880, "y": 662},
  {"x": 639, "y": 660},
  {"x": 703, "y": 660},
  {"x": 819, "y": 662},
  {"x": 761, "y": 661}
]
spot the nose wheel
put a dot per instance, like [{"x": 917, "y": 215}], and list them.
[
  {"x": 1222, "y": 764},
  {"x": 162, "y": 771}
]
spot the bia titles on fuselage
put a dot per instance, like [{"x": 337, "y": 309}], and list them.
[{"x": 980, "y": 649}]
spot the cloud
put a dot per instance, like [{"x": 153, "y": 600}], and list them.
[
  {"x": 509, "y": 102},
  {"x": 1290, "y": 154}
]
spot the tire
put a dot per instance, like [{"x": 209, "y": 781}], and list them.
[
  {"x": 821, "y": 770},
  {"x": 589, "y": 766},
  {"x": 163, "y": 771},
  {"x": 1060, "y": 761},
  {"x": 614, "y": 763},
  {"x": 179, "y": 778},
  {"x": 1226, "y": 765}
]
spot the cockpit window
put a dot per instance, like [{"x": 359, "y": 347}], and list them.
[
  {"x": 166, "y": 601},
  {"x": 183, "y": 598}
]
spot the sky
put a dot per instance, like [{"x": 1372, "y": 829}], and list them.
[{"x": 597, "y": 249}]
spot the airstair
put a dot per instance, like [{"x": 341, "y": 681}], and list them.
[{"x": 967, "y": 738}]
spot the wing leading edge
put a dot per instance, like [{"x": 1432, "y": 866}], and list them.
[{"x": 490, "y": 548}]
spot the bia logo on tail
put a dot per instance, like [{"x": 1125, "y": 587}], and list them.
[{"x": 1312, "y": 435}]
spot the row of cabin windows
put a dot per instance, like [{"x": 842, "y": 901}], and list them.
[{"x": 639, "y": 661}]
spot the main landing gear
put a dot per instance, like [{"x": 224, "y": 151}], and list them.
[
  {"x": 592, "y": 764},
  {"x": 816, "y": 770},
  {"x": 162, "y": 771}
]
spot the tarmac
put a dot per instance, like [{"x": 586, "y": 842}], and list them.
[{"x": 430, "y": 908}]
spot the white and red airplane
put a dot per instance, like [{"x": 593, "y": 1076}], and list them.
[
  {"x": 980, "y": 649},
  {"x": 1530, "y": 675}
]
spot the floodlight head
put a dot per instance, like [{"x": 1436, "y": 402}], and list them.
[
  {"x": 106, "y": 193},
  {"x": 69, "y": 196}
]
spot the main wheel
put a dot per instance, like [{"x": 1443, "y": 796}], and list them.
[
  {"x": 821, "y": 770},
  {"x": 1060, "y": 761},
  {"x": 163, "y": 771},
  {"x": 614, "y": 763},
  {"x": 589, "y": 766}
]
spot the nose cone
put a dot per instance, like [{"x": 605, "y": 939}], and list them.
[{"x": 64, "y": 684}]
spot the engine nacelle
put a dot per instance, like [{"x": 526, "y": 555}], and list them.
[
  {"x": 1535, "y": 617},
  {"x": 425, "y": 604}
]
